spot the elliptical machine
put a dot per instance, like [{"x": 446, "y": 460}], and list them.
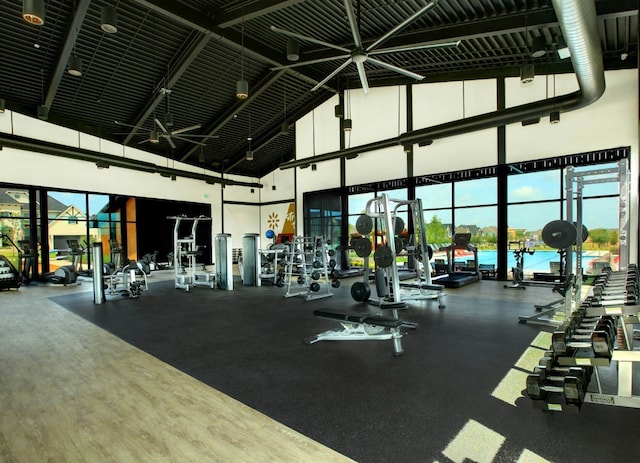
[{"x": 64, "y": 275}]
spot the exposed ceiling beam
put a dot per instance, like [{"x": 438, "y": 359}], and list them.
[
  {"x": 228, "y": 115},
  {"x": 196, "y": 45},
  {"x": 65, "y": 51},
  {"x": 256, "y": 9},
  {"x": 204, "y": 23}
]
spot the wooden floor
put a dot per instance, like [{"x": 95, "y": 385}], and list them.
[{"x": 71, "y": 392}]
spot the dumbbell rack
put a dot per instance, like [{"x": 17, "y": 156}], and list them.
[
  {"x": 596, "y": 328},
  {"x": 308, "y": 258}
]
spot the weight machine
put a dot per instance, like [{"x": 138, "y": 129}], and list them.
[
  {"x": 393, "y": 292},
  {"x": 563, "y": 234},
  {"x": 186, "y": 250},
  {"x": 518, "y": 270}
]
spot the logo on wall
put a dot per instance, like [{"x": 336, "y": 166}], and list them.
[{"x": 273, "y": 220}]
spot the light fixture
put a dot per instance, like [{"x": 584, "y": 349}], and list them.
[
  {"x": 314, "y": 167},
  {"x": 562, "y": 48},
  {"x": 527, "y": 73},
  {"x": 242, "y": 89},
  {"x": 554, "y": 117},
  {"x": 173, "y": 178},
  {"x": 201, "y": 158},
  {"x": 273, "y": 187},
  {"x": 347, "y": 125},
  {"x": 33, "y": 12},
  {"x": 293, "y": 50},
  {"x": 532, "y": 121},
  {"x": 425, "y": 143},
  {"x": 242, "y": 86},
  {"x": 108, "y": 19},
  {"x": 284, "y": 128},
  {"x": 102, "y": 165},
  {"x": 249, "y": 155},
  {"x": 351, "y": 156},
  {"x": 538, "y": 47},
  {"x": 74, "y": 66},
  {"x": 168, "y": 119},
  {"x": 2, "y": 105},
  {"x": 252, "y": 191},
  {"x": 153, "y": 136},
  {"x": 43, "y": 113},
  {"x": 337, "y": 110}
]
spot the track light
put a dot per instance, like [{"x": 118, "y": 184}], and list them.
[
  {"x": 74, "y": 66},
  {"x": 314, "y": 167},
  {"x": 108, "y": 19},
  {"x": 242, "y": 89},
  {"x": 173, "y": 178},
  {"x": 33, "y": 12},
  {"x": 2, "y": 105},
  {"x": 538, "y": 47},
  {"x": 527, "y": 73},
  {"x": 554, "y": 117},
  {"x": 43, "y": 113},
  {"x": 293, "y": 50}
]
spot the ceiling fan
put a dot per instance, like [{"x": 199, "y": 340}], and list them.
[
  {"x": 359, "y": 54},
  {"x": 156, "y": 135}
]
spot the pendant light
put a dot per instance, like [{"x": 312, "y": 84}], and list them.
[
  {"x": 242, "y": 86},
  {"x": 33, "y": 12},
  {"x": 43, "y": 111},
  {"x": 108, "y": 19},
  {"x": 2, "y": 105},
  {"x": 74, "y": 65}
]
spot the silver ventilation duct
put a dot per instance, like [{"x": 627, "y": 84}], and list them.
[{"x": 577, "y": 20}]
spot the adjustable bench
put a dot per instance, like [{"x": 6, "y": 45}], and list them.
[{"x": 363, "y": 327}]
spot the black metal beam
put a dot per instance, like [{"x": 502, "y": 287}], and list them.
[
  {"x": 65, "y": 51},
  {"x": 253, "y": 10},
  {"x": 186, "y": 57}
]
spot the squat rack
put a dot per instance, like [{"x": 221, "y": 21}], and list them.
[{"x": 188, "y": 276}]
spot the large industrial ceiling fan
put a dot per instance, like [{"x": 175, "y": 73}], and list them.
[{"x": 359, "y": 54}]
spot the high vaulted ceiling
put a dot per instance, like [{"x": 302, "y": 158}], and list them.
[{"x": 185, "y": 57}]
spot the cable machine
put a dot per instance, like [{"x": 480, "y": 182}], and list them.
[{"x": 186, "y": 250}]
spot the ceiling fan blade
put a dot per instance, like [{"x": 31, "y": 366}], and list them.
[
  {"x": 144, "y": 141},
  {"x": 157, "y": 121},
  {"x": 402, "y": 25},
  {"x": 186, "y": 129},
  {"x": 330, "y": 76},
  {"x": 313, "y": 61},
  {"x": 415, "y": 47},
  {"x": 391, "y": 67},
  {"x": 352, "y": 24},
  {"x": 363, "y": 76},
  {"x": 308, "y": 39},
  {"x": 139, "y": 127},
  {"x": 173, "y": 145},
  {"x": 189, "y": 140},
  {"x": 188, "y": 135}
]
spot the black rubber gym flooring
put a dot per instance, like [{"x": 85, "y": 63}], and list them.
[{"x": 355, "y": 397}]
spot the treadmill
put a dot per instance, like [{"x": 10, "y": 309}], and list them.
[{"x": 458, "y": 276}]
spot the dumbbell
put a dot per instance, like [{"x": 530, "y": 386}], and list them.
[
  {"x": 565, "y": 342},
  {"x": 543, "y": 382}
]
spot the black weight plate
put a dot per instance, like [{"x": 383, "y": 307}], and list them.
[
  {"x": 335, "y": 283},
  {"x": 317, "y": 264},
  {"x": 315, "y": 287},
  {"x": 364, "y": 224},
  {"x": 360, "y": 291},
  {"x": 399, "y": 245},
  {"x": 362, "y": 246},
  {"x": 398, "y": 225},
  {"x": 315, "y": 275},
  {"x": 383, "y": 257},
  {"x": 559, "y": 234},
  {"x": 331, "y": 252},
  {"x": 332, "y": 263},
  {"x": 585, "y": 231}
]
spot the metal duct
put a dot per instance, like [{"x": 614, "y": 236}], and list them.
[{"x": 577, "y": 20}]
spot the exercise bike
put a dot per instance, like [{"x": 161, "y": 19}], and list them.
[{"x": 518, "y": 270}]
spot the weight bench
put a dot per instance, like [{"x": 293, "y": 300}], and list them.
[{"x": 363, "y": 327}]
